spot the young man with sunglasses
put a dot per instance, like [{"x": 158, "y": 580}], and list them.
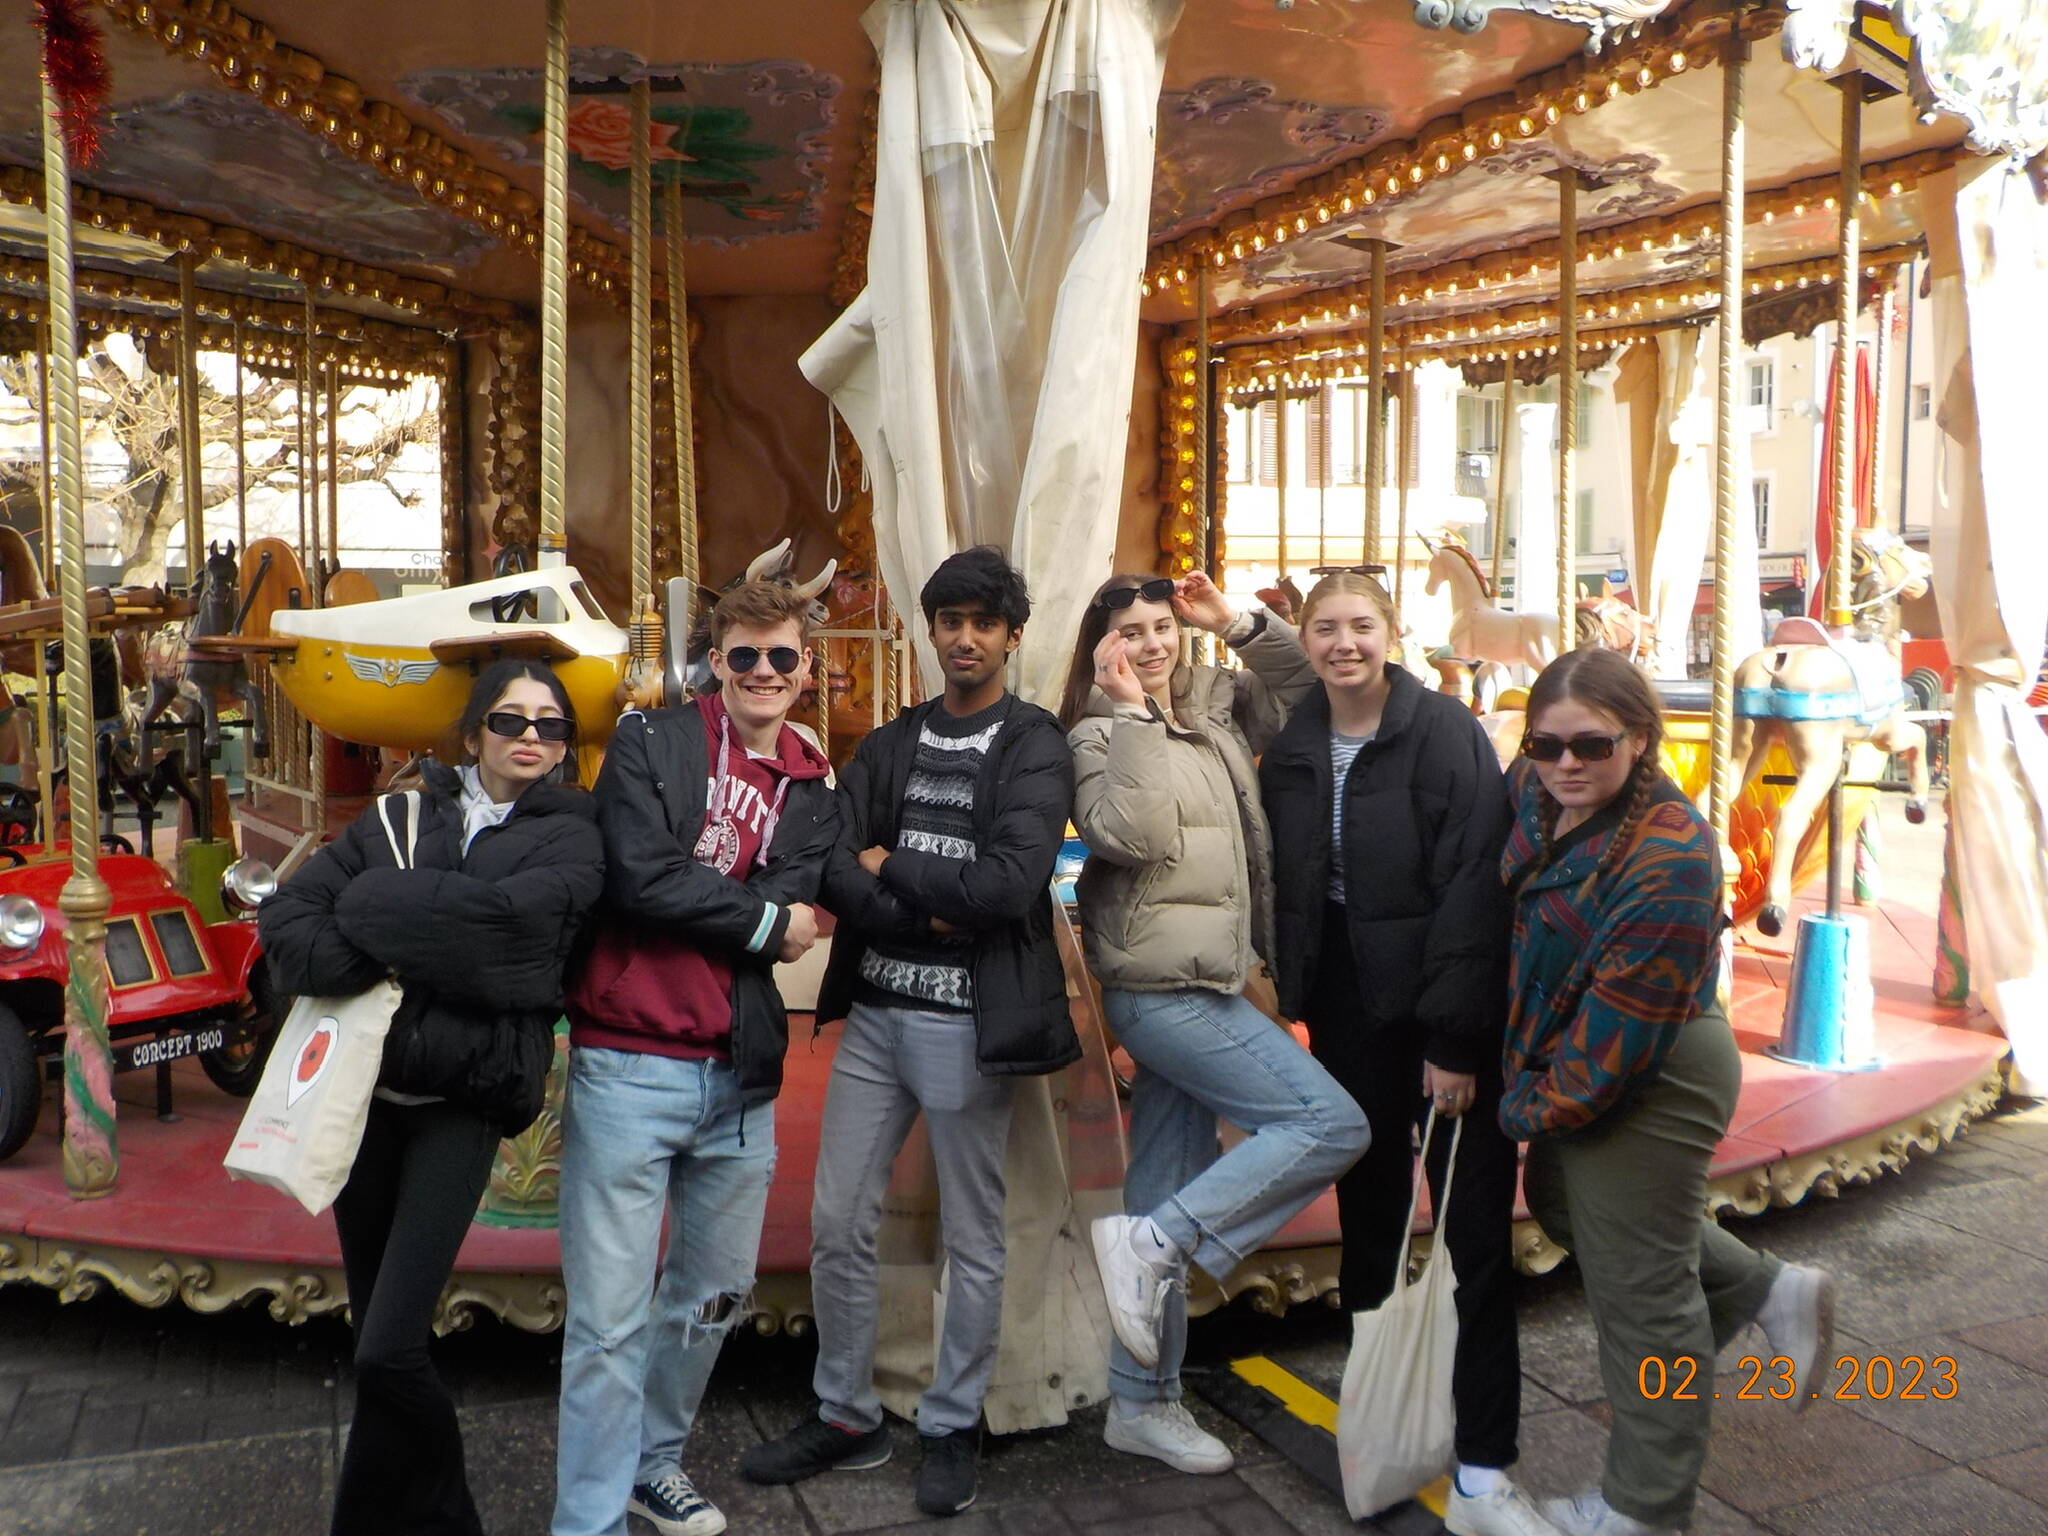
[
  {"x": 718, "y": 821},
  {"x": 944, "y": 969}
]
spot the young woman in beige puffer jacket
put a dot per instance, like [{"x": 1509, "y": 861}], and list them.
[{"x": 1176, "y": 908}]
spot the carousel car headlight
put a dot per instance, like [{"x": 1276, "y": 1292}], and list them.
[
  {"x": 21, "y": 923},
  {"x": 247, "y": 883}
]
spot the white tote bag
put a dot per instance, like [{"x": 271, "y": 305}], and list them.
[
  {"x": 1395, "y": 1422},
  {"x": 305, "y": 1122}
]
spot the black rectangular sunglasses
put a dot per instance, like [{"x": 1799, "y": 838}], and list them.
[
  {"x": 502, "y": 722},
  {"x": 742, "y": 659},
  {"x": 1589, "y": 748},
  {"x": 1157, "y": 590}
]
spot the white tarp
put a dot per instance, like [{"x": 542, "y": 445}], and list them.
[
  {"x": 1988, "y": 251},
  {"x": 986, "y": 370}
]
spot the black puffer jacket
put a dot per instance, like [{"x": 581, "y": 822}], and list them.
[
  {"x": 1021, "y": 804},
  {"x": 477, "y": 941},
  {"x": 1425, "y": 817}
]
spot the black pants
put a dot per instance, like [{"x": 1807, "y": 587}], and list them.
[
  {"x": 1382, "y": 1069},
  {"x": 402, "y": 1217}
]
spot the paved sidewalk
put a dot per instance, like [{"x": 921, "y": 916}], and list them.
[{"x": 118, "y": 1419}]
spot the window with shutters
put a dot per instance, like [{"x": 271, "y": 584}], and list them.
[
  {"x": 1266, "y": 447},
  {"x": 1760, "y": 505}
]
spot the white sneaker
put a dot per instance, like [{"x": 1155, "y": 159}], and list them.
[
  {"x": 1506, "y": 1511},
  {"x": 1134, "y": 1286},
  {"x": 1798, "y": 1317},
  {"x": 1589, "y": 1514},
  {"x": 1167, "y": 1432}
]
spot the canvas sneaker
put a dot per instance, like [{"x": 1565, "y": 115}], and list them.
[
  {"x": 1589, "y": 1514},
  {"x": 1166, "y": 1432},
  {"x": 1134, "y": 1286},
  {"x": 812, "y": 1447},
  {"x": 946, "y": 1475},
  {"x": 674, "y": 1507},
  {"x": 1505, "y": 1511},
  {"x": 1798, "y": 1317}
]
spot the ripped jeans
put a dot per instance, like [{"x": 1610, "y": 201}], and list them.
[{"x": 639, "y": 1132}]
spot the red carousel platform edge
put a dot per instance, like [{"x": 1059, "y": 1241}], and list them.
[{"x": 176, "y": 1228}]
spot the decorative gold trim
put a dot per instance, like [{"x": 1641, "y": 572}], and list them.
[
  {"x": 850, "y": 269},
  {"x": 1180, "y": 515},
  {"x": 247, "y": 55},
  {"x": 1453, "y": 143}
]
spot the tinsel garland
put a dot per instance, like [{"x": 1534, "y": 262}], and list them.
[{"x": 75, "y": 63}]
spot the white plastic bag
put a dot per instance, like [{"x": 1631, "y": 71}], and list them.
[
  {"x": 1395, "y": 1423},
  {"x": 305, "y": 1122}
]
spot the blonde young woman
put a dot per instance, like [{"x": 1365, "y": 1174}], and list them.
[
  {"x": 1393, "y": 932},
  {"x": 1176, "y": 910}
]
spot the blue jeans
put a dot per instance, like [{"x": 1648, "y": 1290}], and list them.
[
  {"x": 640, "y": 1132},
  {"x": 1204, "y": 1056},
  {"x": 893, "y": 1064}
]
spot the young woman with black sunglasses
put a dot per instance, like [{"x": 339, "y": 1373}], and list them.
[
  {"x": 506, "y": 864},
  {"x": 1621, "y": 1074}
]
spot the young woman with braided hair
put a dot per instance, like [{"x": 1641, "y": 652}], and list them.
[{"x": 1621, "y": 1073}]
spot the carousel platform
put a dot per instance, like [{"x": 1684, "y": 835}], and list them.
[{"x": 176, "y": 1229}]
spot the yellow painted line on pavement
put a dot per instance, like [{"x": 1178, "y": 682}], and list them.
[{"x": 1313, "y": 1407}]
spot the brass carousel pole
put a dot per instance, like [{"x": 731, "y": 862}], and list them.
[
  {"x": 333, "y": 371},
  {"x": 92, "y": 1154},
  {"x": 1851, "y": 86},
  {"x": 49, "y": 549},
  {"x": 190, "y": 463},
  {"x": 1280, "y": 452},
  {"x": 241, "y": 458},
  {"x": 554, "y": 291},
  {"x": 1727, "y": 493},
  {"x": 640, "y": 417},
  {"x": 1567, "y": 400},
  {"x": 1375, "y": 401},
  {"x": 1500, "y": 462},
  {"x": 1404, "y": 467},
  {"x": 679, "y": 398},
  {"x": 1205, "y": 541}
]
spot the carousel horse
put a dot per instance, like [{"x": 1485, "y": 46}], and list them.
[
  {"x": 1819, "y": 693},
  {"x": 178, "y": 659},
  {"x": 1606, "y": 622},
  {"x": 1480, "y": 631}
]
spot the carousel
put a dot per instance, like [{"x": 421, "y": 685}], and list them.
[{"x": 472, "y": 333}]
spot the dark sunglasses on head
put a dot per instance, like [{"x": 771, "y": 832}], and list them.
[
  {"x": 742, "y": 659},
  {"x": 1590, "y": 748},
  {"x": 502, "y": 722},
  {"x": 1157, "y": 590}
]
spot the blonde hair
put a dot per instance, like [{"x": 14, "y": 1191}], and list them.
[{"x": 1350, "y": 584}]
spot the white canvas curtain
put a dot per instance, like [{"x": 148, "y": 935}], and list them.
[
  {"x": 986, "y": 370},
  {"x": 1988, "y": 251}
]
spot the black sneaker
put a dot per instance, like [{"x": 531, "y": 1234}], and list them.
[
  {"x": 674, "y": 1507},
  {"x": 812, "y": 1447},
  {"x": 945, "y": 1478}
]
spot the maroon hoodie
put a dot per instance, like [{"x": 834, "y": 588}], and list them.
[{"x": 657, "y": 992}]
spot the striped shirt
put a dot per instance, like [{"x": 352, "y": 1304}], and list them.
[
  {"x": 938, "y": 818},
  {"x": 1343, "y": 752}
]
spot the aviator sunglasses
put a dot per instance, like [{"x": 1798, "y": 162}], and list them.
[
  {"x": 1157, "y": 590},
  {"x": 742, "y": 659},
  {"x": 1589, "y": 748},
  {"x": 502, "y": 722}
]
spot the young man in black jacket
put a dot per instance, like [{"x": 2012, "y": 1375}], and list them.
[
  {"x": 717, "y": 822},
  {"x": 944, "y": 969}
]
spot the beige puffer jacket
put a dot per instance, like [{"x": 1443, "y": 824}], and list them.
[{"x": 1177, "y": 890}]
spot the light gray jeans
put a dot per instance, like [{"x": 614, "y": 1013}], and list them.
[{"x": 892, "y": 1064}]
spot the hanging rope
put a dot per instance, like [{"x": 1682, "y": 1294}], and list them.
[{"x": 835, "y": 490}]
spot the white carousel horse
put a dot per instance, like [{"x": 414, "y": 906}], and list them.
[
  {"x": 1480, "y": 631},
  {"x": 1818, "y": 693}
]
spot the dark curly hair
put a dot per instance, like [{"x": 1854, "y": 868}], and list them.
[{"x": 982, "y": 578}]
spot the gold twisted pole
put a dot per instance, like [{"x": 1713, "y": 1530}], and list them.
[
  {"x": 1567, "y": 399},
  {"x": 679, "y": 397},
  {"x": 190, "y": 464},
  {"x": 640, "y": 416},
  {"x": 241, "y": 430},
  {"x": 1404, "y": 467},
  {"x": 554, "y": 291},
  {"x": 49, "y": 550},
  {"x": 1727, "y": 443},
  {"x": 333, "y": 371},
  {"x": 1205, "y": 510},
  {"x": 1500, "y": 465},
  {"x": 1846, "y": 296},
  {"x": 92, "y": 1154},
  {"x": 1375, "y": 400},
  {"x": 1281, "y": 452}
]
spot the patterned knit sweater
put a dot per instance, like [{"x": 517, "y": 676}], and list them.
[{"x": 1604, "y": 974}]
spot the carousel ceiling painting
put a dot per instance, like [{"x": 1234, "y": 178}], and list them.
[{"x": 747, "y": 142}]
